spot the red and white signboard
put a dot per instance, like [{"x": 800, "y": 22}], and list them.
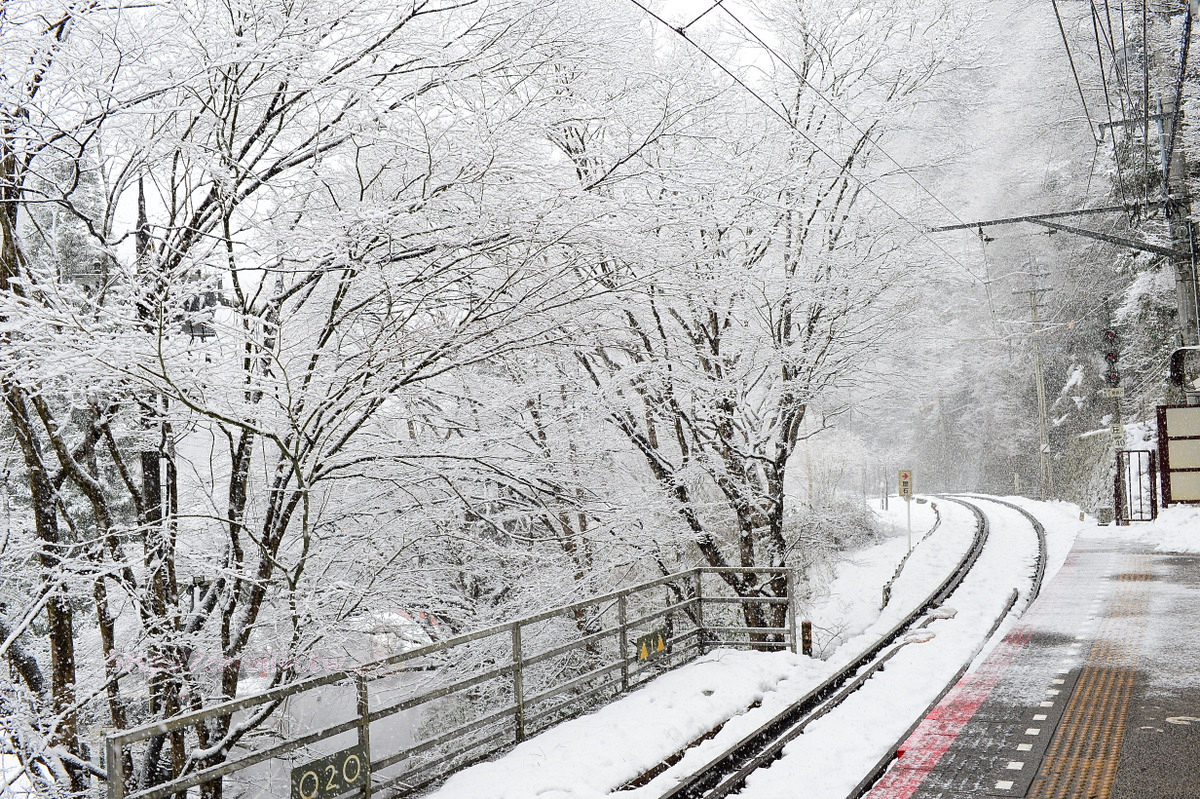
[{"x": 905, "y": 483}]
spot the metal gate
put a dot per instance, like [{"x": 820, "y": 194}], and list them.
[{"x": 1136, "y": 486}]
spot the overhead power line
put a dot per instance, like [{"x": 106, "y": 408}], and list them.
[
  {"x": 908, "y": 173},
  {"x": 1044, "y": 221},
  {"x": 702, "y": 15},
  {"x": 921, "y": 231},
  {"x": 1121, "y": 241},
  {"x": 1183, "y": 59},
  {"x": 1120, "y": 63},
  {"x": 1096, "y": 28},
  {"x": 1071, "y": 59},
  {"x": 1012, "y": 220}
]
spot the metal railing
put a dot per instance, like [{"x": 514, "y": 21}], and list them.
[
  {"x": 1135, "y": 495},
  {"x": 412, "y": 719}
]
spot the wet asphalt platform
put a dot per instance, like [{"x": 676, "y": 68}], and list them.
[{"x": 1095, "y": 694}]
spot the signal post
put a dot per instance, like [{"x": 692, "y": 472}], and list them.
[{"x": 904, "y": 486}]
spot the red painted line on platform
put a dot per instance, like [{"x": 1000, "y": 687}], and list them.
[{"x": 918, "y": 755}]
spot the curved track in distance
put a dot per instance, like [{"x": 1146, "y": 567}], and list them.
[
  {"x": 727, "y": 772},
  {"x": 1035, "y": 587}
]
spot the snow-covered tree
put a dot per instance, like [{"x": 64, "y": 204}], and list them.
[
  {"x": 309, "y": 213},
  {"x": 766, "y": 268}
]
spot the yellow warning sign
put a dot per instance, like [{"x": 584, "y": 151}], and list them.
[{"x": 651, "y": 645}]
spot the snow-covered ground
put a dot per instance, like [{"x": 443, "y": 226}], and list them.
[
  {"x": 1177, "y": 529},
  {"x": 592, "y": 756},
  {"x": 851, "y": 601}
]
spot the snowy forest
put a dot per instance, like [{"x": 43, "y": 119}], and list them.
[{"x": 315, "y": 312}]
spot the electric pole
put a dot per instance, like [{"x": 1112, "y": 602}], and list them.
[
  {"x": 1045, "y": 469},
  {"x": 1174, "y": 172},
  {"x": 1110, "y": 347}
]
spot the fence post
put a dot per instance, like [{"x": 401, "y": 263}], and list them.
[
  {"x": 1153, "y": 486},
  {"x": 623, "y": 641},
  {"x": 364, "y": 729},
  {"x": 518, "y": 683},
  {"x": 791, "y": 606},
  {"x": 114, "y": 764},
  {"x": 699, "y": 611},
  {"x": 1120, "y": 512}
]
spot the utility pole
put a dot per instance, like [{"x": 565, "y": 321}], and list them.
[
  {"x": 1174, "y": 171},
  {"x": 1045, "y": 469},
  {"x": 1175, "y": 202},
  {"x": 1110, "y": 345}
]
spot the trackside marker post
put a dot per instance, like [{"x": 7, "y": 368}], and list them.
[{"x": 905, "y": 489}]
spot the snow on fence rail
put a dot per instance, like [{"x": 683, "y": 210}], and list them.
[{"x": 401, "y": 723}]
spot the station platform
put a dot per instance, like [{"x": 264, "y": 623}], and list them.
[{"x": 1094, "y": 694}]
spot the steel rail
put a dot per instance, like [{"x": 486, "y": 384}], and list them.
[
  {"x": 887, "y": 587},
  {"x": 727, "y": 772},
  {"x": 1039, "y": 570}
]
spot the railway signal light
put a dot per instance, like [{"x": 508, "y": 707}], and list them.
[{"x": 1110, "y": 347}]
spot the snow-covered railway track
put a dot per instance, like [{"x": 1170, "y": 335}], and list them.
[
  {"x": 1031, "y": 593},
  {"x": 1040, "y": 531},
  {"x": 728, "y": 771}
]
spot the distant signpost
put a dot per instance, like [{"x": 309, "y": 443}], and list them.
[{"x": 904, "y": 485}]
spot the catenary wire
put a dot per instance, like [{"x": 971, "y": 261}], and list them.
[
  {"x": 1112, "y": 129},
  {"x": 1175, "y": 112},
  {"x": 1071, "y": 59},
  {"x": 1110, "y": 41},
  {"x": 702, "y": 15},
  {"x": 922, "y": 231},
  {"x": 778, "y": 57},
  {"x": 1145, "y": 101},
  {"x": 1125, "y": 54}
]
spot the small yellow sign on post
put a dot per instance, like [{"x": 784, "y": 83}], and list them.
[{"x": 651, "y": 645}]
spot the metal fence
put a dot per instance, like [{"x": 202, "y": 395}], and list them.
[
  {"x": 397, "y": 725},
  {"x": 1135, "y": 497}
]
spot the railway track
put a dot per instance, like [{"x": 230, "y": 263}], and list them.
[
  {"x": 1039, "y": 530},
  {"x": 726, "y": 772}
]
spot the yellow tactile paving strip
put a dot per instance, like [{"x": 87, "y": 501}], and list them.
[{"x": 1081, "y": 762}]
